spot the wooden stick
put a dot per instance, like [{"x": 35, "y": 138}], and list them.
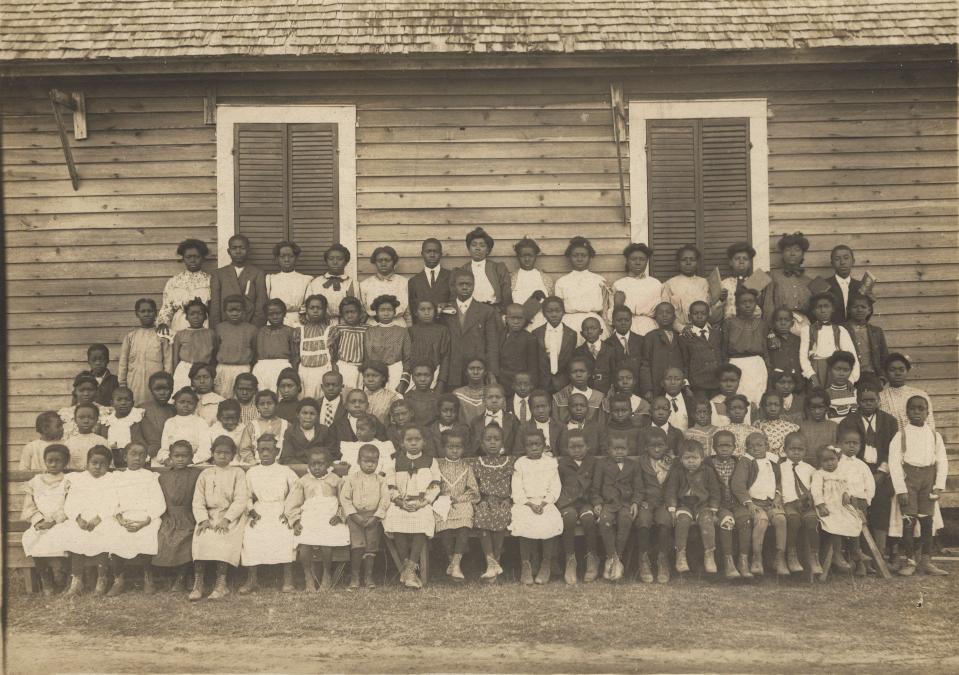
[
  {"x": 876, "y": 553},
  {"x": 64, "y": 141},
  {"x": 614, "y": 115}
]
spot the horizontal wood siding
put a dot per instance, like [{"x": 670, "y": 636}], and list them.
[{"x": 863, "y": 154}]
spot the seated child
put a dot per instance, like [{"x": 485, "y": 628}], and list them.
[
  {"x": 594, "y": 429},
  {"x": 702, "y": 429},
  {"x": 649, "y": 493},
  {"x": 135, "y": 523},
  {"x": 143, "y": 352},
  {"x": 731, "y": 514},
  {"x": 680, "y": 401},
  {"x": 701, "y": 346},
  {"x": 454, "y": 507},
  {"x": 839, "y": 518},
  {"x": 577, "y": 469},
  {"x": 772, "y": 424},
  {"x": 98, "y": 360},
  {"x": 422, "y": 399},
  {"x": 318, "y": 519},
  {"x": 149, "y": 430},
  {"x": 266, "y": 422},
  {"x": 756, "y": 484},
  {"x": 746, "y": 346},
  {"x": 627, "y": 346},
  {"x": 304, "y": 434},
  {"x": 615, "y": 504},
  {"x": 493, "y": 471},
  {"x": 470, "y": 395},
  {"x": 191, "y": 345},
  {"x": 736, "y": 408},
  {"x": 798, "y": 504},
  {"x": 414, "y": 485},
  {"x": 389, "y": 342},
  {"x": 86, "y": 418},
  {"x": 50, "y": 427},
  {"x": 275, "y": 346},
  {"x": 288, "y": 389},
  {"x": 236, "y": 345},
  {"x": 729, "y": 378},
  {"x": 186, "y": 425},
  {"x": 823, "y": 339},
  {"x": 815, "y": 428},
  {"x": 344, "y": 427},
  {"x": 400, "y": 415},
  {"x": 662, "y": 410},
  {"x": 88, "y": 506},
  {"x": 621, "y": 425},
  {"x": 783, "y": 344},
  {"x": 244, "y": 393},
  {"x": 494, "y": 399},
  {"x": 624, "y": 382},
  {"x": 202, "y": 376},
  {"x": 661, "y": 351},
  {"x": 841, "y": 390},
  {"x": 542, "y": 419},
  {"x": 364, "y": 498},
  {"x": 786, "y": 384},
  {"x": 598, "y": 355},
  {"x": 578, "y": 384},
  {"x": 175, "y": 536},
  {"x": 693, "y": 495},
  {"x": 117, "y": 425},
  {"x": 332, "y": 401},
  {"x": 534, "y": 516},
  {"x": 366, "y": 435},
  {"x": 447, "y": 419},
  {"x": 43, "y": 508},
  {"x": 228, "y": 423},
  {"x": 219, "y": 508},
  {"x": 859, "y": 481}
]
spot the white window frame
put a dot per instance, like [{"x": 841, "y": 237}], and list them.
[
  {"x": 344, "y": 117},
  {"x": 753, "y": 108}
]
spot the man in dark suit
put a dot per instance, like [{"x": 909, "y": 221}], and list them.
[
  {"x": 547, "y": 336},
  {"x": 474, "y": 330},
  {"x": 433, "y": 283},
  {"x": 627, "y": 346},
  {"x": 239, "y": 278},
  {"x": 841, "y": 284}
]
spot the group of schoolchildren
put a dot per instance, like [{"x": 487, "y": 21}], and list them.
[{"x": 479, "y": 402}]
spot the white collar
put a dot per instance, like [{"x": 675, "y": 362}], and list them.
[
  {"x": 464, "y": 304},
  {"x": 478, "y": 264},
  {"x": 843, "y": 282},
  {"x": 437, "y": 269}
]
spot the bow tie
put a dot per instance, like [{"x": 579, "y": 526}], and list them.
[
  {"x": 798, "y": 272},
  {"x": 333, "y": 281}
]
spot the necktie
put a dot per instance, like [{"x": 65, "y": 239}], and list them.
[
  {"x": 432, "y": 278},
  {"x": 594, "y": 351},
  {"x": 870, "y": 438},
  {"x": 462, "y": 315},
  {"x": 522, "y": 410},
  {"x": 675, "y": 405},
  {"x": 334, "y": 282},
  {"x": 704, "y": 334},
  {"x": 328, "y": 414},
  {"x": 800, "y": 488},
  {"x": 625, "y": 342}
]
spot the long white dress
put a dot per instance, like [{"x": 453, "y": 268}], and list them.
[
  {"x": 138, "y": 496},
  {"x": 536, "y": 481},
  {"x": 585, "y": 294},
  {"x": 269, "y": 541},
  {"x": 290, "y": 287},
  {"x": 88, "y": 497},
  {"x": 828, "y": 488},
  {"x": 43, "y": 499},
  {"x": 642, "y": 296},
  {"x": 316, "y": 502}
]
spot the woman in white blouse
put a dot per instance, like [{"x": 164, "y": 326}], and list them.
[
  {"x": 288, "y": 285},
  {"x": 529, "y": 285},
  {"x": 638, "y": 291},
  {"x": 386, "y": 282},
  {"x": 584, "y": 293},
  {"x": 182, "y": 288}
]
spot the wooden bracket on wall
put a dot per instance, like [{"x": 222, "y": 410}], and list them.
[
  {"x": 209, "y": 105},
  {"x": 617, "y": 111},
  {"x": 77, "y": 104}
]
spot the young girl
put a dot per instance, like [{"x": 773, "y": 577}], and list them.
[
  {"x": 430, "y": 344},
  {"x": 870, "y": 341},
  {"x": 736, "y": 408},
  {"x": 534, "y": 516},
  {"x": 400, "y": 414},
  {"x": 375, "y": 376},
  {"x": 421, "y": 398},
  {"x": 347, "y": 343},
  {"x": 702, "y": 429},
  {"x": 638, "y": 291},
  {"x": 729, "y": 379},
  {"x": 893, "y": 398},
  {"x": 143, "y": 352},
  {"x": 186, "y": 425},
  {"x": 785, "y": 383},
  {"x": 202, "y": 376},
  {"x": 236, "y": 345},
  {"x": 841, "y": 391},
  {"x": 195, "y": 344},
  {"x": 88, "y": 506},
  {"x": 459, "y": 491},
  {"x": 491, "y": 278},
  {"x": 773, "y": 424},
  {"x": 304, "y": 434},
  {"x": 156, "y": 412},
  {"x": 837, "y": 516},
  {"x": 685, "y": 288},
  {"x": 85, "y": 418},
  {"x": 312, "y": 339},
  {"x": 740, "y": 258},
  {"x": 528, "y": 285},
  {"x": 389, "y": 342},
  {"x": 288, "y": 285},
  {"x": 414, "y": 484},
  {"x": 471, "y": 394},
  {"x": 228, "y": 423},
  {"x": 268, "y": 536},
  {"x": 746, "y": 344},
  {"x": 789, "y": 287},
  {"x": 135, "y": 519},
  {"x": 783, "y": 343},
  {"x": 43, "y": 508},
  {"x": 815, "y": 428},
  {"x": 118, "y": 425},
  {"x": 386, "y": 282},
  {"x": 493, "y": 471},
  {"x": 275, "y": 346},
  {"x": 821, "y": 340},
  {"x": 624, "y": 383},
  {"x": 85, "y": 391},
  {"x": 584, "y": 293},
  {"x": 219, "y": 508},
  {"x": 317, "y": 518},
  {"x": 288, "y": 388},
  {"x": 50, "y": 427},
  {"x": 175, "y": 536},
  {"x": 334, "y": 285},
  {"x": 266, "y": 423}
]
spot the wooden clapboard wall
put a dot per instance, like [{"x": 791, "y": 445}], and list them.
[{"x": 863, "y": 154}]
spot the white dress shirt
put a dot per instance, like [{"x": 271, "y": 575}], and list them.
[
  {"x": 789, "y": 470},
  {"x": 678, "y": 416},
  {"x": 463, "y": 306},
  {"x": 491, "y": 417},
  {"x": 924, "y": 447},
  {"x": 764, "y": 487},
  {"x": 859, "y": 478},
  {"x": 554, "y": 344},
  {"x": 483, "y": 290},
  {"x": 518, "y": 406},
  {"x": 544, "y": 427},
  {"x": 435, "y": 271},
  {"x": 843, "y": 284}
]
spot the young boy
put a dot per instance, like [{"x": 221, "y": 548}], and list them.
[
  {"x": 519, "y": 403},
  {"x": 615, "y": 503},
  {"x": 841, "y": 284},
  {"x": 627, "y": 346},
  {"x": 556, "y": 342},
  {"x": 518, "y": 350},
  {"x": 593, "y": 429},
  {"x": 649, "y": 494},
  {"x": 149, "y": 430},
  {"x": 237, "y": 345},
  {"x": 918, "y": 466},
  {"x": 693, "y": 495},
  {"x": 756, "y": 484},
  {"x": 98, "y": 359},
  {"x": 661, "y": 412},
  {"x": 893, "y": 398},
  {"x": 660, "y": 351},
  {"x": 622, "y": 425},
  {"x": 366, "y": 435},
  {"x": 228, "y": 423},
  {"x": 821, "y": 341},
  {"x": 433, "y": 283},
  {"x": 598, "y": 355},
  {"x": 244, "y": 392},
  {"x": 474, "y": 330},
  {"x": 364, "y": 498},
  {"x": 702, "y": 350},
  {"x": 542, "y": 419},
  {"x": 576, "y": 471},
  {"x": 579, "y": 376},
  {"x": 731, "y": 514},
  {"x": 421, "y": 398},
  {"x": 494, "y": 399},
  {"x": 345, "y": 427},
  {"x": 680, "y": 401},
  {"x": 240, "y": 278},
  {"x": 798, "y": 505}
]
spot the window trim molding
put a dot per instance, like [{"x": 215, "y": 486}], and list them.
[
  {"x": 754, "y": 108},
  {"x": 344, "y": 117}
]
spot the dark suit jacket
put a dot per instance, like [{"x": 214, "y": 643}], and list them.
[
  {"x": 841, "y": 309},
  {"x": 499, "y": 279},
  {"x": 615, "y": 488},
  {"x": 342, "y": 432},
  {"x": 745, "y": 474},
  {"x": 553, "y": 443},
  {"x": 296, "y": 449},
  {"x": 648, "y": 488},
  {"x": 512, "y": 404},
  {"x": 518, "y": 352},
  {"x": 696, "y": 490},
  {"x": 658, "y": 356},
  {"x": 434, "y": 441},
  {"x": 251, "y": 284},
  {"x": 702, "y": 358},
  {"x": 510, "y": 428},
  {"x": 886, "y": 428},
  {"x": 577, "y": 481},
  {"x": 631, "y": 361},
  {"x": 419, "y": 289},
  {"x": 478, "y": 336},
  {"x": 553, "y": 383},
  {"x": 673, "y": 438},
  {"x": 601, "y": 366},
  {"x": 106, "y": 387},
  {"x": 879, "y": 350},
  {"x": 595, "y": 430}
]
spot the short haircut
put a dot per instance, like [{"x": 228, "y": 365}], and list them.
[
  {"x": 276, "y": 302},
  {"x": 267, "y": 438},
  {"x": 459, "y": 273},
  {"x": 289, "y": 374},
  {"x": 266, "y": 393},
  {"x": 448, "y": 398},
  {"x": 366, "y": 449},
  {"x": 98, "y": 348},
  {"x": 737, "y": 397},
  {"x": 238, "y": 237},
  {"x": 841, "y": 247},
  {"x": 655, "y": 434},
  {"x": 580, "y": 359},
  {"x": 790, "y": 436},
  {"x": 826, "y": 450},
  {"x": 688, "y": 247},
  {"x": 554, "y": 299},
  {"x": 86, "y": 406},
  {"x": 724, "y": 433},
  {"x": 431, "y": 240},
  {"x": 846, "y": 430},
  {"x": 354, "y": 392},
  {"x": 144, "y": 301},
  {"x": 691, "y": 446},
  {"x": 768, "y": 394},
  {"x": 186, "y": 391},
  {"x": 181, "y": 444},
  {"x": 45, "y": 418},
  {"x": 923, "y": 399},
  {"x": 101, "y": 450},
  {"x": 757, "y": 434},
  {"x": 531, "y": 431},
  {"x": 622, "y": 309},
  {"x": 292, "y": 245},
  {"x": 730, "y": 368},
  {"x": 223, "y": 441},
  {"x": 246, "y": 377},
  {"x": 199, "y": 367},
  {"x": 160, "y": 375},
  {"x": 699, "y": 302},
  {"x": 576, "y": 433},
  {"x": 234, "y": 299},
  {"x": 325, "y": 453},
  {"x": 621, "y": 398},
  {"x": 58, "y": 448},
  {"x": 494, "y": 387},
  {"x": 367, "y": 420},
  {"x": 308, "y": 403},
  {"x": 453, "y": 433},
  {"x": 122, "y": 390},
  {"x": 228, "y": 405}
]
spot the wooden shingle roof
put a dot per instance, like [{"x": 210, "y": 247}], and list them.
[{"x": 93, "y": 30}]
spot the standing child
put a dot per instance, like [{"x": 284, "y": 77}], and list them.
[
  {"x": 219, "y": 509},
  {"x": 195, "y": 344},
  {"x": 786, "y": 384},
  {"x": 143, "y": 352},
  {"x": 244, "y": 393},
  {"x": 598, "y": 355},
  {"x": 870, "y": 341},
  {"x": 98, "y": 360},
  {"x": 474, "y": 329},
  {"x": 624, "y": 384},
  {"x": 386, "y": 282},
  {"x": 686, "y": 289},
  {"x": 614, "y": 502},
  {"x": 661, "y": 351},
  {"x": 471, "y": 394},
  {"x": 430, "y": 344},
  {"x": 493, "y": 401},
  {"x": 389, "y": 342},
  {"x": 701, "y": 346},
  {"x": 731, "y": 514},
  {"x": 772, "y": 424},
  {"x": 86, "y": 418},
  {"x": 783, "y": 343},
  {"x": 275, "y": 346},
  {"x": 542, "y": 419},
  {"x": 627, "y": 346},
  {"x": 239, "y": 279},
  {"x": 227, "y": 423},
  {"x": 347, "y": 342},
  {"x": 50, "y": 427},
  {"x": 680, "y": 400},
  {"x": 746, "y": 346},
  {"x": 894, "y": 397},
  {"x": 594, "y": 429},
  {"x": 266, "y": 423},
  {"x": 622, "y": 425},
  {"x": 380, "y": 397},
  {"x": 859, "y": 480},
  {"x": 639, "y": 291},
  {"x": 518, "y": 350},
  {"x": 304, "y": 434},
  {"x": 421, "y": 398},
  {"x": 842, "y": 286},
  {"x": 789, "y": 287},
  {"x": 841, "y": 390},
  {"x": 454, "y": 507},
  {"x": 702, "y": 429},
  {"x": 202, "y": 376},
  {"x": 288, "y": 389},
  {"x": 135, "y": 521},
  {"x": 156, "y": 412},
  {"x": 839, "y": 518},
  {"x": 577, "y": 469},
  {"x": 364, "y": 499},
  {"x": 756, "y": 483},
  {"x": 736, "y": 408},
  {"x": 661, "y": 412},
  {"x": 288, "y": 285},
  {"x": 693, "y": 495},
  {"x": 313, "y": 345},
  {"x": 186, "y": 425},
  {"x": 317, "y": 519},
  {"x": 556, "y": 342},
  {"x": 334, "y": 285},
  {"x": 529, "y": 285},
  {"x": 43, "y": 507},
  {"x": 88, "y": 506},
  {"x": 493, "y": 471},
  {"x": 236, "y": 345},
  {"x": 84, "y": 391},
  {"x": 534, "y": 517},
  {"x": 175, "y": 536},
  {"x": 822, "y": 340},
  {"x": 654, "y": 468},
  {"x": 801, "y": 516},
  {"x": 815, "y": 428},
  {"x": 433, "y": 283}
]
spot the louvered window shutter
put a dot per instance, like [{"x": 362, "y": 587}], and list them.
[
  {"x": 286, "y": 187},
  {"x": 698, "y": 187}
]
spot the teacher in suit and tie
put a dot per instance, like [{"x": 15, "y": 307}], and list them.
[
  {"x": 433, "y": 283},
  {"x": 474, "y": 330},
  {"x": 492, "y": 283},
  {"x": 239, "y": 278}
]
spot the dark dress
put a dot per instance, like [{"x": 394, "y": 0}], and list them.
[
  {"x": 175, "y": 537},
  {"x": 495, "y": 485}
]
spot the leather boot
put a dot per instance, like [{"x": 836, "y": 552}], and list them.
[
  {"x": 288, "y": 586},
  {"x": 570, "y": 575},
  {"x": 814, "y": 565},
  {"x": 119, "y": 585},
  {"x": 76, "y": 586},
  {"x": 709, "y": 561},
  {"x": 249, "y": 585},
  {"x": 545, "y": 571},
  {"x": 618, "y": 569},
  {"x": 412, "y": 578},
  {"x": 839, "y": 562},
  {"x": 178, "y": 585},
  {"x": 907, "y": 568},
  {"x": 682, "y": 565},
  {"x": 645, "y": 569},
  {"x": 781, "y": 568},
  {"x": 757, "y": 567},
  {"x": 197, "y": 592},
  {"x": 356, "y": 560},
  {"x": 662, "y": 563},
  {"x": 405, "y": 572},
  {"x": 220, "y": 589},
  {"x": 526, "y": 573},
  {"x": 792, "y": 560},
  {"x": 730, "y": 565},
  {"x": 101, "y": 587},
  {"x": 149, "y": 588},
  {"x": 744, "y": 566},
  {"x": 490, "y": 572},
  {"x": 927, "y": 567},
  {"x": 608, "y": 568},
  {"x": 368, "y": 561},
  {"x": 592, "y": 568},
  {"x": 46, "y": 582},
  {"x": 456, "y": 572}
]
